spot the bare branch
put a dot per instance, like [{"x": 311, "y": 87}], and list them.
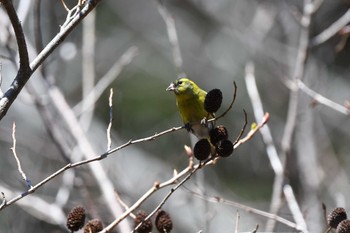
[
  {"x": 323, "y": 100},
  {"x": 294, "y": 207},
  {"x": 331, "y": 30},
  {"x": 109, "y": 140},
  {"x": 19, "y": 166},
  {"x": 57, "y": 40},
  {"x": 199, "y": 166},
  {"x": 248, "y": 209},
  {"x": 24, "y": 71},
  {"x": 107, "y": 79},
  {"x": 237, "y": 222}
]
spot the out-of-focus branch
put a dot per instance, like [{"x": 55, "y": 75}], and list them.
[
  {"x": 276, "y": 163},
  {"x": 294, "y": 207},
  {"x": 323, "y": 100},
  {"x": 38, "y": 39},
  {"x": 297, "y": 75},
  {"x": 331, "y": 30},
  {"x": 42, "y": 209},
  {"x": 172, "y": 33},
  {"x": 88, "y": 66},
  {"x": 59, "y": 38},
  {"x": 217, "y": 199},
  {"x": 106, "y": 80}
]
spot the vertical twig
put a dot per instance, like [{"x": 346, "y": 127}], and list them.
[
  {"x": 109, "y": 140},
  {"x": 1, "y": 93},
  {"x": 172, "y": 33},
  {"x": 88, "y": 67},
  {"x": 237, "y": 222},
  {"x": 38, "y": 39},
  {"x": 107, "y": 79},
  {"x": 276, "y": 163},
  {"x": 19, "y": 166}
]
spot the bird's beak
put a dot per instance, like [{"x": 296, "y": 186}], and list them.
[{"x": 171, "y": 87}]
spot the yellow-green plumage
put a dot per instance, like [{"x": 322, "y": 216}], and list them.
[{"x": 190, "y": 102}]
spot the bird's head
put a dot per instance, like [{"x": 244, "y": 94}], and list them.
[{"x": 181, "y": 86}]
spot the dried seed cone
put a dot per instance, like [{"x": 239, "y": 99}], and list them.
[
  {"x": 213, "y": 100},
  {"x": 336, "y": 216},
  {"x": 217, "y": 134},
  {"x": 344, "y": 226},
  {"x": 163, "y": 222},
  {"x": 93, "y": 226},
  {"x": 76, "y": 218},
  {"x": 224, "y": 148},
  {"x": 147, "y": 226},
  {"x": 202, "y": 149}
]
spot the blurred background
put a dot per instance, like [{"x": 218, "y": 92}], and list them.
[{"x": 216, "y": 40}]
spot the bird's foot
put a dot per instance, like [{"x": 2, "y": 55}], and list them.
[
  {"x": 204, "y": 122},
  {"x": 188, "y": 126}
]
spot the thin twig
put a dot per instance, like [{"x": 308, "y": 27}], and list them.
[
  {"x": 146, "y": 195},
  {"x": 232, "y": 102},
  {"x": 58, "y": 39},
  {"x": 19, "y": 166},
  {"x": 122, "y": 203},
  {"x": 107, "y": 79},
  {"x": 193, "y": 171},
  {"x": 323, "y": 100},
  {"x": 243, "y": 128},
  {"x": 109, "y": 140},
  {"x": 25, "y": 71},
  {"x": 256, "y": 229},
  {"x": 64, "y": 5},
  {"x": 253, "y": 131},
  {"x": 248, "y": 209},
  {"x": 176, "y": 177},
  {"x": 86, "y": 161}
]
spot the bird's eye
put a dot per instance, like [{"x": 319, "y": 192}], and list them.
[{"x": 179, "y": 82}]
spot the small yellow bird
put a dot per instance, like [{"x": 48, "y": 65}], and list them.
[{"x": 190, "y": 102}]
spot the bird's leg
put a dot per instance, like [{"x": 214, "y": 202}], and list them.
[
  {"x": 204, "y": 121},
  {"x": 188, "y": 126}
]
